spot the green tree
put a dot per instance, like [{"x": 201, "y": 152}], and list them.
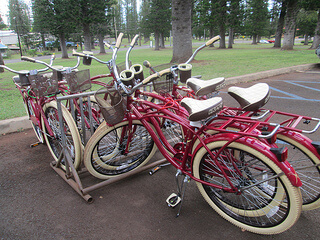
[
  {"x": 257, "y": 19},
  {"x": 90, "y": 12},
  {"x": 131, "y": 16},
  {"x": 235, "y": 18},
  {"x": 2, "y": 26},
  {"x": 158, "y": 20},
  {"x": 56, "y": 17},
  {"x": 314, "y": 5},
  {"x": 306, "y": 23},
  {"x": 144, "y": 14},
  {"x": 19, "y": 19},
  {"x": 205, "y": 18}
]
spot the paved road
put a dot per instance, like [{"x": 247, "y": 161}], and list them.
[{"x": 36, "y": 204}]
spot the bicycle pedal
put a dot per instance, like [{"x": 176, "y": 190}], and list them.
[
  {"x": 34, "y": 144},
  {"x": 173, "y": 200}
]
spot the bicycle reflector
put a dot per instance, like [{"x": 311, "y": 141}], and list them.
[{"x": 281, "y": 153}]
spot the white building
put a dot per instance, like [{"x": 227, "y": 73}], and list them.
[{"x": 8, "y": 38}]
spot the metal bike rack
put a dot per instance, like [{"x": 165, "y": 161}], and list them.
[{"x": 70, "y": 174}]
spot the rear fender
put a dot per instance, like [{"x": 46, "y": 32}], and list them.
[{"x": 286, "y": 168}]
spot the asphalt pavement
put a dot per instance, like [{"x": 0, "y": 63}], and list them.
[{"x": 35, "y": 203}]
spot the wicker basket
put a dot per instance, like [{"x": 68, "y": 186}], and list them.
[
  {"x": 78, "y": 81},
  {"x": 111, "y": 104},
  {"x": 43, "y": 84},
  {"x": 160, "y": 67},
  {"x": 164, "y": 84},
  {"x": 122, "y": 66}
]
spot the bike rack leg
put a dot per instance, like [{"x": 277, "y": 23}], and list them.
[
  {"x": 123, "y": 176},
  {"x": 71, "y": 183}
]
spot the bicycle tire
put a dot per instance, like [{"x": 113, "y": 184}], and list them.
[
  {"x": 240, "y": 209},
  {"x": 299, "y": 157},
  {"x": 36, "y": 128},
  {"x": 104, "y": 155},
  {"x": 54, "y": 144}
]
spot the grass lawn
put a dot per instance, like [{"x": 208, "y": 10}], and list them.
[{"x": 244, "y": 58}]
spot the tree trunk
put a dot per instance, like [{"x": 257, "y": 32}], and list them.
[
  {"x": 230, "y": 42},
  {"x": 101, "y": 44},
  {"x": 156, "y": 41},
  {"x": 1, "y": 62},
  {"x": 43, "y": 41},
  {"x": 290, "y": 24},
  {"x": 146, "y": 39},
  {"x": 86, "y": 37},
  {"x": 181, "y": 30},
  {"x": 222, "y": 23},
  {"x": 211, "y": 32},
  {"x": 277, "y": 41},
  {"x": 306, "y": 39},
  {"x": 63, "y": 45},
  {"x": 162, "y": 41},
  {"x": 254, "y": 39},
  {"x": 316, "y": 39}
]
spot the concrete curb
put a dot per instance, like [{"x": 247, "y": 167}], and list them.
[
  {"x": 14, "y": 125},
  {"x": 269, "y": 73},
  {"x": 21, "y": 123}
]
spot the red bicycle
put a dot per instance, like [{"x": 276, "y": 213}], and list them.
[
  {"x": 38, "y": 93},
  {"x": 240, "y": 176}
]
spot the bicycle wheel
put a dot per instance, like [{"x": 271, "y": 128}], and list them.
[
  {"x": 30, "y": 112},
  {"x": 267, "y": 207},
  {"x": 112, "y": 151},
  {"x": 172, "y": 131},
  {"x": 303, "y": 161},
  {"x": 54, "y": 142}
]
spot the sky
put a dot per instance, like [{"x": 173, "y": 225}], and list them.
[{"x": 4, "y": 8}]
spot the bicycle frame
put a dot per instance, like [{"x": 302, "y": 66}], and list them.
[{"x": 183, "y": 158}]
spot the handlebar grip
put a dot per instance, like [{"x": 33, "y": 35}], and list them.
[
  {"x": 155, "y": 75},
  {"x": 134, "y": 40},
  {"x": 150, "y": 78},
  {"x": 74, "y": 53},
  {"x": 147, "y": 64},
  {"x": 107, "y": 45},
  {"x": 29, "y": 59},
  {"x": 165, "y": 71},
  {"x": 212, "y": 40},
  {"x": 119, "y": 39}
]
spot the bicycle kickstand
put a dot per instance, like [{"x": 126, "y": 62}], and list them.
[
  {"x": 35, "y": 144},
  {"x": 174, "y": 199},
  {"x": 154, "y": 170}
]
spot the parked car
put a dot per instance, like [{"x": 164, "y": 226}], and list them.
[
  {"x": 271, "y": 41},
  {"x": 264, "y": 41}
]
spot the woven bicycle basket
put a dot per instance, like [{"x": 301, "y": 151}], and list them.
[
  {"x": 122, "y": 66},
  {"x": 78, "y": 81},
  {"x": 164, "y": 84},
  {"x": 111, "y": 103},
  {"x": 43, "y": 84}
]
